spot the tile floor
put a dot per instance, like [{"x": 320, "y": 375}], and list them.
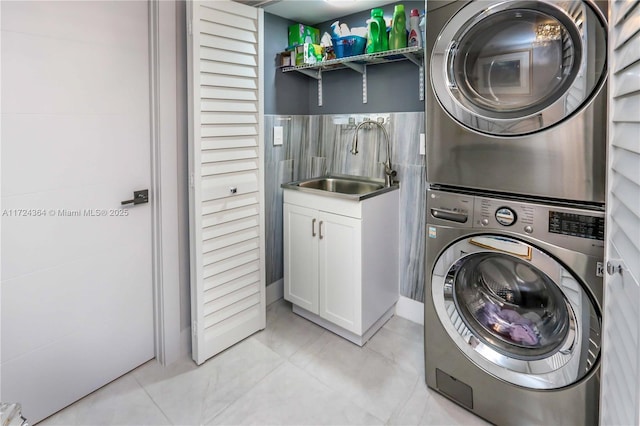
[{"x": 294, "y": 372}]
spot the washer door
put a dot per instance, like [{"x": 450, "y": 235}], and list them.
[
  {"x": 516, "y": 312},
  {"x": 515, "y": 67}
]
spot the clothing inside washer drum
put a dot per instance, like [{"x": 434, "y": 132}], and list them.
[{"x": 508, "y": 299}]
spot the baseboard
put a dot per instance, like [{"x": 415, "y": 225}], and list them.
[
  {"x": 410, "y": 309},
  {"x": 275, "y": 291}
]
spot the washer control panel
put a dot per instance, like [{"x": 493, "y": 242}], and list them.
[
  {"x": 494, "y": 213},
  {"x": 566, "y": 226},
  {"x": 450, "y": 208}
]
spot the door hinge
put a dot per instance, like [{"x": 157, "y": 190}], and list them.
[
  {"x": 190, "y": 27},
  {"x": 191, "y": 181},
  {"x": 194, "y": 328}
]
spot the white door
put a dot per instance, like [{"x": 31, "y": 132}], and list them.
[
  {"x": 301, "y": 256},
  {"x": 77, "y": 302},
  {"x": 340, "y": 270},
  {"x": 620, "y": 396},
  {"x": 226, "y": 173}
]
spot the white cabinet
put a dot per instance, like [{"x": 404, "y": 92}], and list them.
[
  {"x": 301, "y": 256},
  {"x": 341, "y": 260}
]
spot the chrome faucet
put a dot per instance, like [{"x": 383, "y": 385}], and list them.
[{"x": 389, "y": 173}]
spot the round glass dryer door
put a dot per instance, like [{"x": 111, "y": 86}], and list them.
[
  {"x": 516, "y": 67},
  {"x": 516, "y": 312}
]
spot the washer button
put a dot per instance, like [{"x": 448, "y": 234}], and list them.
[
  {"x": 528, "y": 229},
  {"x": 484, "y": 222}
]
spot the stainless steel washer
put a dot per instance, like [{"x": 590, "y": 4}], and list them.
[
  {"x": 513, "y": 307},
  {"x": 517, "y": 100}
]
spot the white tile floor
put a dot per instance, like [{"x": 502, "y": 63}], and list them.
[{"x": 293, "y": 373}]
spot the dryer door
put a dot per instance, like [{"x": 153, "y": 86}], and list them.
[
  {"x": 509, "y": 68},
  {"x": 516, "y": 312}
]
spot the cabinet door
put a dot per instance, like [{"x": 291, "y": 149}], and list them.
[
  {"x": 340, "y": 271},
  {"x": 301, "y": 256}
]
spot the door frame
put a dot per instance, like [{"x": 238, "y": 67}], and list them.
[{"x": 165, "y": 142}]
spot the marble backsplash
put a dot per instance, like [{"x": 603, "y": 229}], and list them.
[{"x": 315, "y": 145}]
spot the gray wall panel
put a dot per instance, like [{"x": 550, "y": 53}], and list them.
[{"x": 283, "y": 93}]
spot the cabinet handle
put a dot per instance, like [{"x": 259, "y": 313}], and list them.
[
  {"x": 313, "y": 227},
  {"x": 320, "y": 230}
]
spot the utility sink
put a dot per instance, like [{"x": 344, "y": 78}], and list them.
[{"x": 342, "y": 186}]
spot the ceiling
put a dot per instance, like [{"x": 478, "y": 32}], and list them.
[{"x": 314, "y": 11}]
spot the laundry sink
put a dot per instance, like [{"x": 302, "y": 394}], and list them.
[{"x": 342, "y": 186}]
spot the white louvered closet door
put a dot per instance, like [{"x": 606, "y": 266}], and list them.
[
  {"x": 620, "y": 394},
  {"x": 226, "y": 157}
]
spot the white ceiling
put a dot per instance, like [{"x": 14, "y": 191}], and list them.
[{"x": 315, "y": 11}]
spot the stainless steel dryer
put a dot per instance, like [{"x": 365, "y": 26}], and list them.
[
  {"x": 513, "y": 308},
  {"x": 517, "y": 100}
]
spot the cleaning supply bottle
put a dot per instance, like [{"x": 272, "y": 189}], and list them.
[
  {"x": 415, "y": 35},
  {"x": 398, "y": 33},
  {"x": 377, "y": 32}
]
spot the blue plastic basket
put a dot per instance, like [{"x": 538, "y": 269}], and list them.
[{"x": 349, "y": 46}]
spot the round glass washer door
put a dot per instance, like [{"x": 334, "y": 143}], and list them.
[
  {"x": 522, "y": 318},
  {"x": 516, "y": 67}
]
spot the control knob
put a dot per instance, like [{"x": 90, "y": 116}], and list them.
[{"x": 505, "y": 216}]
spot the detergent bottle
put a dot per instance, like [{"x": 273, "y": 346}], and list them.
[
  {"x": 415, "y": 34},
  {"x": 377, "y": 32},
  {"x": 398, "y": 33}
]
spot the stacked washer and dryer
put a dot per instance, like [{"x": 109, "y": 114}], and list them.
[{"x": 516, "y": 119}]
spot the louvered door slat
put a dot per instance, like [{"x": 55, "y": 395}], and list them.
[
  {"x": 226, "y": 155},
  {"x": 625, "y": 32},
  {"x": 227, "y": 106},
  {"x": 228, "y": 69},
  {"x": 244, "y": 295},
  {"x": 228, "y": 131},
  {"x": 229, "y": 167},
  {"x": 230, "y": 215},
  {"x": 232, "y": 252},
  {"x": 211, "y": 156},
  {"x": 215, "y": 15},
  {"x": 229, "y": 263},
  {"x": 230, "y": 312},
  {"x": 233, "y": 33},
  {"x": 231, "y": 286},
  {"x": 215, "y": 206},
  {"x": 229, "y": 7},
  {"x": 228, "y": 44},
  {"x": 222, "y": 80},
  {"x": 230, "y": 228},
  {"x": 229, "y": 240},
  {"x": 218, "y": 55},
  {"x": 227, "y": 93},
  {"x": 231, "y": 275}
]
